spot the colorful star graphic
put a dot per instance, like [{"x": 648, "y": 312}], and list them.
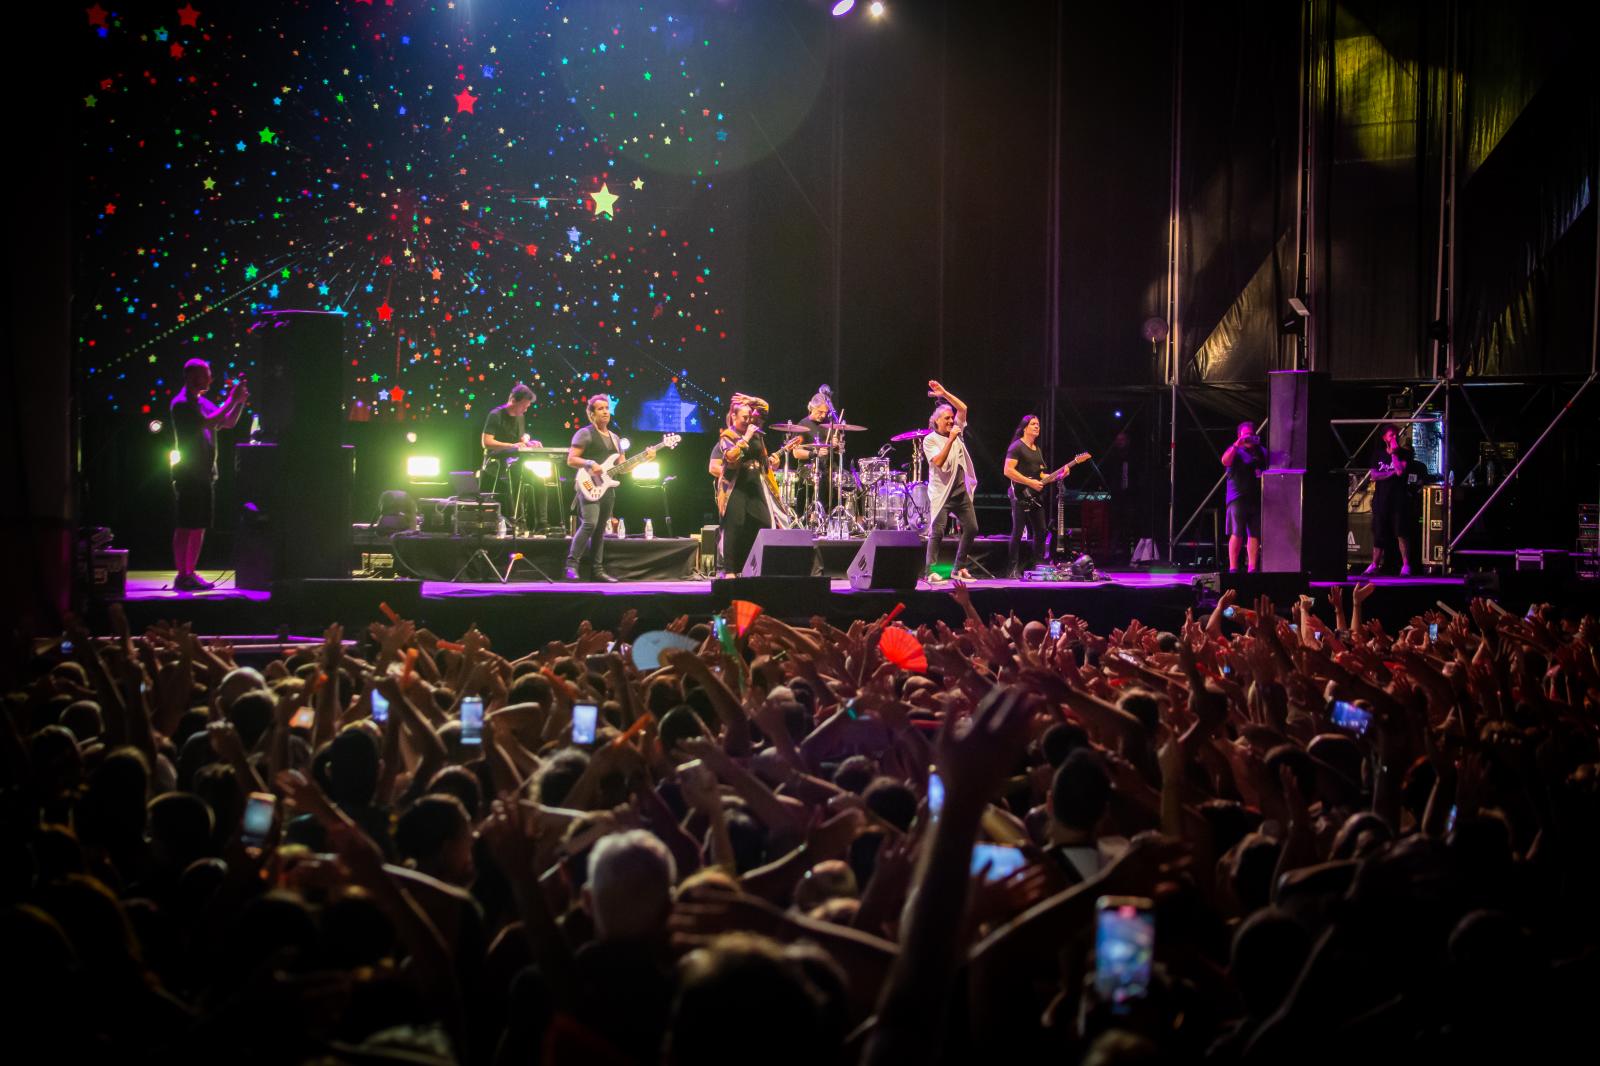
[
  {"x": 638, "y": 183},
  {"x": 97, "y": 15},
  {"x": 188, "y": 16},
  {"x": 266, "y": 135},
  {"x": 464, "y": 101},
  {"x": 604, "y": 200},
  {"x": 385, "y": 311},
  {"x": 209, "y": 183}
]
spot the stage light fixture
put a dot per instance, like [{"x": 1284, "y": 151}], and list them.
[
  {"x": 1116, "y": 414},
  {"x": 155, "y": 425},
  {"x": 843, "y": 7},
  {"x": 647, "y": 472},
  {"x": 174, "y": 457},
  {"x": 422, "y": 466},
  {"x": 411, "y": 438},
  {"x": 625, "y": 443},
  {"x": 876, "y": 9},
  {"x": 540, "y": 468}
]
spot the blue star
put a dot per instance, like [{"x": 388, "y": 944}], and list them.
[
  {"x": 488, "y": 72},
  {"x": 322, "y": 290},
  {"x": 240, "y": 146},
  {"x": 543, "y": 202},
  {"x": 573, "y": 235}
]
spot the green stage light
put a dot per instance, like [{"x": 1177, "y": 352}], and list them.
[
  {"x": 647, "y": 472},
  {"x": 422, "y": 466},
  {"x": 174, "y": 457}
]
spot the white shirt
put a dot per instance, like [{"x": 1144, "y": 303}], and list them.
[{"x": 941, "y": 482}]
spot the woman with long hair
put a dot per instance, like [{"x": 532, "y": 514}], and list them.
[{"x": 1025, "y": 470}]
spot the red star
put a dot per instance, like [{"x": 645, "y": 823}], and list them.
[
  {"x": 533, "y": 249},
  {"x": 396, "y": 394},
  {"x": 187, "y": 15},
  {"x": 464, "y": 102},
  {"x": 97, "y": 15},
  {"x": 385, "y": 311},
  {"x": 176, "y": 50},
  {"x": 111, "y": 209}
]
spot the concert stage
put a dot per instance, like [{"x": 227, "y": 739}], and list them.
[{"x": 520, "y": 614}]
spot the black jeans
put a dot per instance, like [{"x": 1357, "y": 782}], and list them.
[
  {"x": 1031, "y": 519},
  {"x": 959, "y": 504},
  {"x": 746, "y": 515},
  {"x": 592, "y": 521}
]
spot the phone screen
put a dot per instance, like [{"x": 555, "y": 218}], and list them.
[
  {"x": 1349, "y": 716},
  {"x": 472, "y": 720},
  {"x": 258, "y": 812},
  {"x": 380, "y": 707},
  {"x": 583, "y": 719},
  {"x": 1055, "y": 629},
  {"x": 1229, "y": 611},
  {"x": 66, "y": 647},
  {"x": 935, "y": 794},
  {"x": 304, "y": 718},
  {"x": 1002, "y": 861},
  {"x": 1433, "y": 631},
  {"x": 1124, "y": 945},
  {"x": 1450, "y": 820}
]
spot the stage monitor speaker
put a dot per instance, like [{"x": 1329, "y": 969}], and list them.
[
  {"x": 1298, "y": 434},
  {"x": 298, "y": 387},
  {"x": 1303, "y": 523},
  {"x": 782, "y": 553},
  {"x": 889, "y": 559},
  {"x": 1284, "y": 589}
]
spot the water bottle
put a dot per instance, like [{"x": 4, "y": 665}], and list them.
[
  {"x": 502, "y": 525},
  {"x": 649, "y": 530},
  {"x": 622, "y": 528}
]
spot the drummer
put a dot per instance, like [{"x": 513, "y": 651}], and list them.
[{"x": 819, "y": 414}]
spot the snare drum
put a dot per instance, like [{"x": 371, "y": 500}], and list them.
[{"x": 873, "y": 470}]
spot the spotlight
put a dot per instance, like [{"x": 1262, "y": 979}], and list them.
[
  {"x": 422, "y": 466},
  {"x": 650, "y": 471},
  {"x": 1116, "y": 413},
  {"x": 540, "y": 468},
  {"x": 155, "y": 425},
  {"x": 843, "y": 7},
  {"x": 876, "y": 9},
  {"x": 411, "y": 438},
  {"x": 174, "y": 458}
]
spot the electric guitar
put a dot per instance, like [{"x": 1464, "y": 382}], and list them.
[
  {"x": 592, "y": 487},
  {"x": 1031, "y": 498},
  {"x": 724, "y": 487}
]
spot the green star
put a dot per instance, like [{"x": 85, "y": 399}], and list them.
[
  {"x": 89, "y": 101},
  {"x": 250, "y": 272},
  {"x": 266, "y": 135},
  {"x": 339, "y": 97},
  {"x": 209, "y": 183},
  {"x": 285, "y": 273}
]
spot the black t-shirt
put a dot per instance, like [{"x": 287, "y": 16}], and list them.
[
  {"x": 595, "y": 446},
  {"x": 1030, "y": 461},
  {"x": 746, "y": 472},
  {"x": 1244, "y": 475},
  {"x": 504, "y": 426},
  {"x": 1393, "y": 491},
  {"x": 195, "y": 443}
]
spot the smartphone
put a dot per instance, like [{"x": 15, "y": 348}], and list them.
[
  {"x": 1124, "y": 947},
  {"x": 1227, "y": 671},
  {"x": 583, "y": 719},
  {"x": 304, "y": 718},
  {"x": 1002, "y": 861},
  {"x": 472, "y": 720},
  {"x": 1450, "y": 820},
  {"x": 1229, "y": 611},
  {"x": 718, "y": 625},
  {"x": 1433, "y": 632},
  {"x": 935, "y": 794},
  {"x": 1349, "y": 716},
  {"x": 66, "y": 647},
  {"x": 697, "y": 771},
  {"x": 380, "y": 707},
  {"x": 1294, "y": 627},
  {"x": 259, "y": 810},
  {"x": 1055, "y": 629}
]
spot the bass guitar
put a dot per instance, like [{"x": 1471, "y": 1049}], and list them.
[
  {"x": 593, "y": 486},
  {"x": 1031, "y": 498}
]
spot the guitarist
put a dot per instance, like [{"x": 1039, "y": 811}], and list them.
[
  {"x": 591, "y": 446},
  {"x": 1028, "y": 476},
  {"x": 739, "y": 463}
]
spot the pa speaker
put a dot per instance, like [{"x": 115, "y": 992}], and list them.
[
  {"x": 890, "y": 559},
  {"x": 782, "y": 553},
  {"x": 1303, "y": 523},
  {"x": 1299, "y": 436},
  {"x": 299, "y": 383},
  {"x": 310, "y": 604}
]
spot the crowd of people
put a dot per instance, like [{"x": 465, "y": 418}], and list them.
[{"x": 1281, "y": 833}]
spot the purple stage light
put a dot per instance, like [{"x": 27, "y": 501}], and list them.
[{"x": 843, "y": 7}]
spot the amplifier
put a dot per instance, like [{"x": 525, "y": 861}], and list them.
[{"x": 476, "y": 518}]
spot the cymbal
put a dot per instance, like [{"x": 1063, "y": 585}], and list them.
[
  {"x": 789, "y": 427},
  {"x": 911, "y": 434},
  {"x": 844, "y": 427}
]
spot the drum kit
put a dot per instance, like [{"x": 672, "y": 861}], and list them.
[{"x": 835, "y": 500}]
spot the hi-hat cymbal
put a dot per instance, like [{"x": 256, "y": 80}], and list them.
[
  {"x": 789, "y": 427},
  {"x": 911, "y": 434}
]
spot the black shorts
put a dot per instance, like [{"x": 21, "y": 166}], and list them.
[
  {"x": 1244, "y": 518},
  {"x": 192, "y": 503}
]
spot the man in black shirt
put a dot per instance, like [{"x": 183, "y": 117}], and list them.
[
  {"x": 1245, "y": 458},
  {"x": 1393, "y": 514},
  {"x": 591, "y": 446},
  {"x": 195, "y": 420},
  {"x": 1025, "y": 467},
  {"x": 739, "y": 463},
  {"x": 819, "y": 415},
  {"x": 505, "y": 434}
]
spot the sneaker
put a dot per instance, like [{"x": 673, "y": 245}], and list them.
[
  {"x": 572, "y": 574},
  {"x": 1370, "y": 571},
  {"x": 1405, "y": 570},
  {"x": 601, "y": 575},
  {"x": 192, "y": 583},
  {"x": 936, "y": 579},
  {"x": 964, "y": 574}
]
